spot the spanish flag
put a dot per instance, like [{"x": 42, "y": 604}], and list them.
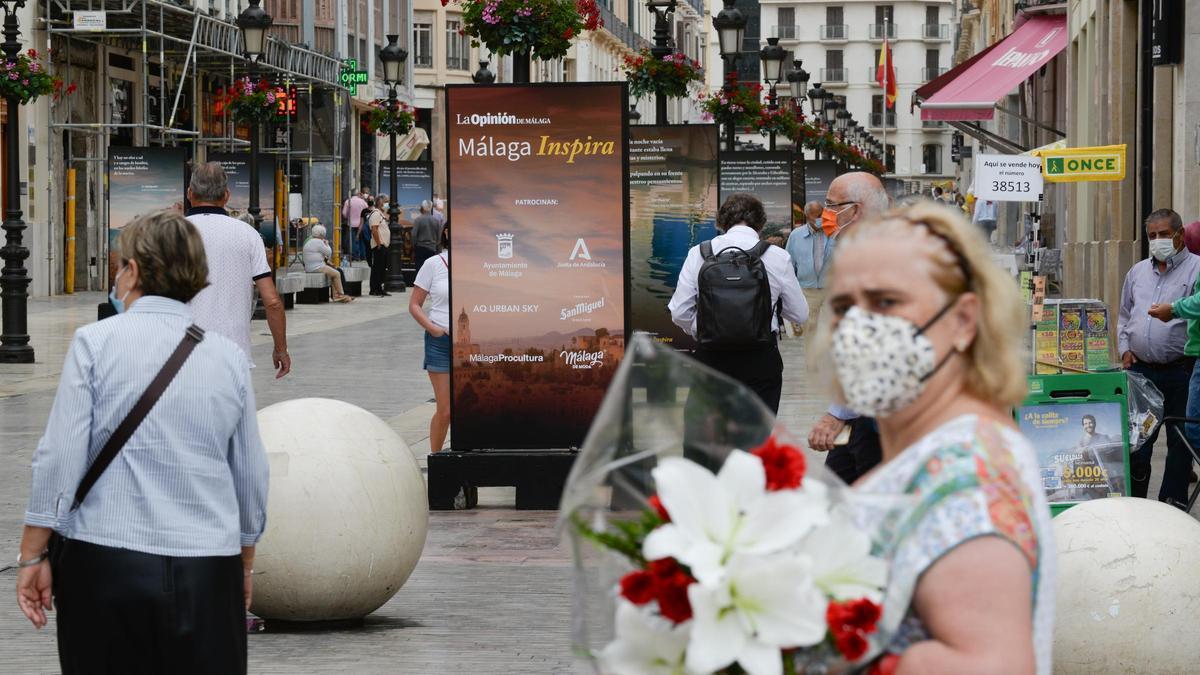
[{"x": 885, "y": 74}]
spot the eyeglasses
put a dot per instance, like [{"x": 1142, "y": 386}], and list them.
[{"x": 830, "y": 205}]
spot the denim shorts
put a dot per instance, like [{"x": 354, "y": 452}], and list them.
[{"x": 437, "y": 353}]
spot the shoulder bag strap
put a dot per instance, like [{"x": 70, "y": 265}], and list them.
[
  {"x": 133, "y": 420},
  {"x": 706, "y": 249}
]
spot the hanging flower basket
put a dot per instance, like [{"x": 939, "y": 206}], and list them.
[
  {"x": 669, "y": 75},
  {"x": 384, "y": 121},
  {"x": 736, "y": 102},
  {"x": 26, "y": 78},
  {"x": 253, "y": 101},
  {"x": 541, "y": 28},
  {"x": 818, "y": 138},
  {"x": 780, "y": 122}
]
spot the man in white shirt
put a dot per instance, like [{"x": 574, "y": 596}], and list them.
[
  {"x": 852, "y": 198},
  {"x": 237, "y": 263},
  {"x": 742, "y": 218},
  {"x": 985, "y": 216}
]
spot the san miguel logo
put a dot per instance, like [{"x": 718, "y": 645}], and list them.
[
  {"x": 582, "y": 359},
  {"x": 580, "y": 309}
]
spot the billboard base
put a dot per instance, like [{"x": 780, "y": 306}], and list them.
[{"x": 538, "y": 475}]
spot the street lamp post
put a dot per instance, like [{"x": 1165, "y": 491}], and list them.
[
  {"x": 663, "y": 10},
  {"x": 731, "y": 31},
  {"x": 483, "y": 75},
  {"x": 254, "y": 22},
  {"x": 392, "y": 56},
  {"x": 633, "y": 116},
  {"x": 798, "y": 82},
  {"x": 772, "y": 57},
  {"x": 14, "y": 279}
]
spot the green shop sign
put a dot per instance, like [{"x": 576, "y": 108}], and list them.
[{"x": 351, "y": 77}]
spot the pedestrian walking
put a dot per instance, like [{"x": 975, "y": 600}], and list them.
[
  {"x": 427, "y": 234},
  {"x": 851, "y": 441},
  {"x": 985, "y": 217},
  {"x": 736, "y": 319},
  {"x": 926, "y": 337},
  {"x": 316, "y": 254},
  {"x": 149, "y": 486},
  {"x": 237, "y": 264},
  {"x": 352, "y": 214},
  {"x": 433, "y": 283},
  {"x": 381, "y": 238},
  {"x": 811, "y": 250}
]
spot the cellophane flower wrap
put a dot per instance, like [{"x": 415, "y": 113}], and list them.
[{"x": 706, "y": 541}]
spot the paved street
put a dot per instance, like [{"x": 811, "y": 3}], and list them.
[{"x": 491, "y": 593}]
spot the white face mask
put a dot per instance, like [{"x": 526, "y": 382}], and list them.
[
  {"x": 883, "y": 362},
  {"x": 1162, "y": 249}
]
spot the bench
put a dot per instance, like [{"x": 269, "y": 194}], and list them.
[
  {"x": 316, "y": 289},
  {"x": 288, "y": 286},
  {"x": 355, "y": 276}
]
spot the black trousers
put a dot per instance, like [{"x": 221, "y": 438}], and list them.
[
  {"x": 853, "y": 460},
  {"x": 421, "y": 254},
  {"x": 1172, "y": 380},
  {"x": 125, "y": 612},
  {"x": 761, "y": 370},
  {"x": 379, "y": 268}
]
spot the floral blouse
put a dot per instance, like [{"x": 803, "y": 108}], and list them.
[{"x": 968, "y": 478}]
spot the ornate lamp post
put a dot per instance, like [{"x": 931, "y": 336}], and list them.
[
  {"x": 633, "y": 116},
  {"x": 816, "y": 97},
  {"x": 772, "y": 57},
  {"x": 14, "y": 279},
  {"x": 392, "y": 56},
  {"x": 663, "y": 11},
  {"x": 254, "y": 22},
  {"x": 731, "y": 31},
  {"x": 798, "y": 82}
]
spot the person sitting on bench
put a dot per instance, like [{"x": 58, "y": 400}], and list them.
[{"x": 316, "y": 255}]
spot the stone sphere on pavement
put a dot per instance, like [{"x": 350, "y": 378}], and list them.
[
  {"x": 1128, "y": 588},
  {"x": 347, "y": 513}
]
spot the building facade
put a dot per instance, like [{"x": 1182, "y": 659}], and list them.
[{"x": 839, "y": 43}]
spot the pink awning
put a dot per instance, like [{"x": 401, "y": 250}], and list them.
[{"x": 971, "y": 90}]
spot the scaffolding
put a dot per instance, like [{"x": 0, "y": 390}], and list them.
[{"x": 179, "y": 45}]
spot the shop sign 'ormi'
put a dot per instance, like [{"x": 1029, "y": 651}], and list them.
[{"x": 1074, "y": 165}]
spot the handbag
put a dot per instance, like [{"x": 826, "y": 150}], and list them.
[{"x": 192, "y": 337}]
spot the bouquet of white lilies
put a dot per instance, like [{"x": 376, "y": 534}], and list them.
[{"x": 699, "y": 529}]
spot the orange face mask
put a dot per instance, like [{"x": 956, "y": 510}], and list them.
[{"x": 829, "y": 220}]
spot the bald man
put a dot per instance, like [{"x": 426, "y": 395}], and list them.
[
  {"x": 852, "y": 198},
  {"x": 811, "y": 249}
]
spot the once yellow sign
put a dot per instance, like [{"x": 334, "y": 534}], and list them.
[{"x": 1074, "y": 165}]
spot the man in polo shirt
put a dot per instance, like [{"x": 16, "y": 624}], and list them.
[{"x": 237, "y": 262}]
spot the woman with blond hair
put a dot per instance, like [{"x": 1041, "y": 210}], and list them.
[
  {"x": 925, "y": 337},
  {"x": 151, "y": 478}
]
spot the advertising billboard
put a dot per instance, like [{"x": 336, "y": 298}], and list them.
[{"x": 537, "y": 179}]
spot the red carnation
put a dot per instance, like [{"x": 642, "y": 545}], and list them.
[
  {"x": 783, "y": 463},
  {"x": 657, "y": 505},
  {"x": 886, "y": 665},
  {"x": 568, "y": 33},
  {"x": 851, "y": 644},
  {"x": 672, "y": 583},
  {"x": 638, "y": 587}
]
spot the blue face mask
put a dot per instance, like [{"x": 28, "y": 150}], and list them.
[{"x": 118, "y": 303}]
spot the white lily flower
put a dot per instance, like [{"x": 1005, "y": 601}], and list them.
[
  {"x": 764, "y": 604},
  {"x": 645, "y": 644},
  {"x": 714, "y": 518},
  {"x": 843, "y": 566}
]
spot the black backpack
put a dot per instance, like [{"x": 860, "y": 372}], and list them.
[{"x": 734, "y": 306}]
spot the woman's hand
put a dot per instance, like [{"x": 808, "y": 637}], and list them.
[
  {"x": 436, "y": 331},
  {"x": 33, "y": 592}
]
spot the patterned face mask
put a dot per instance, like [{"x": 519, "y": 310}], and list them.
[{"x": 883, "y": 362}]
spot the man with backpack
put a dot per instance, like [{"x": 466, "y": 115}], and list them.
[{"x": 732, "y": 296}]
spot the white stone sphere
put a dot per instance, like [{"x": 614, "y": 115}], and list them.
[
  {"x": 347, "y": 513},
  {"x": 1128, "y": 588}
]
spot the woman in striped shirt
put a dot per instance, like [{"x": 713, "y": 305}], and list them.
[{"x": 152, "y": 571}]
